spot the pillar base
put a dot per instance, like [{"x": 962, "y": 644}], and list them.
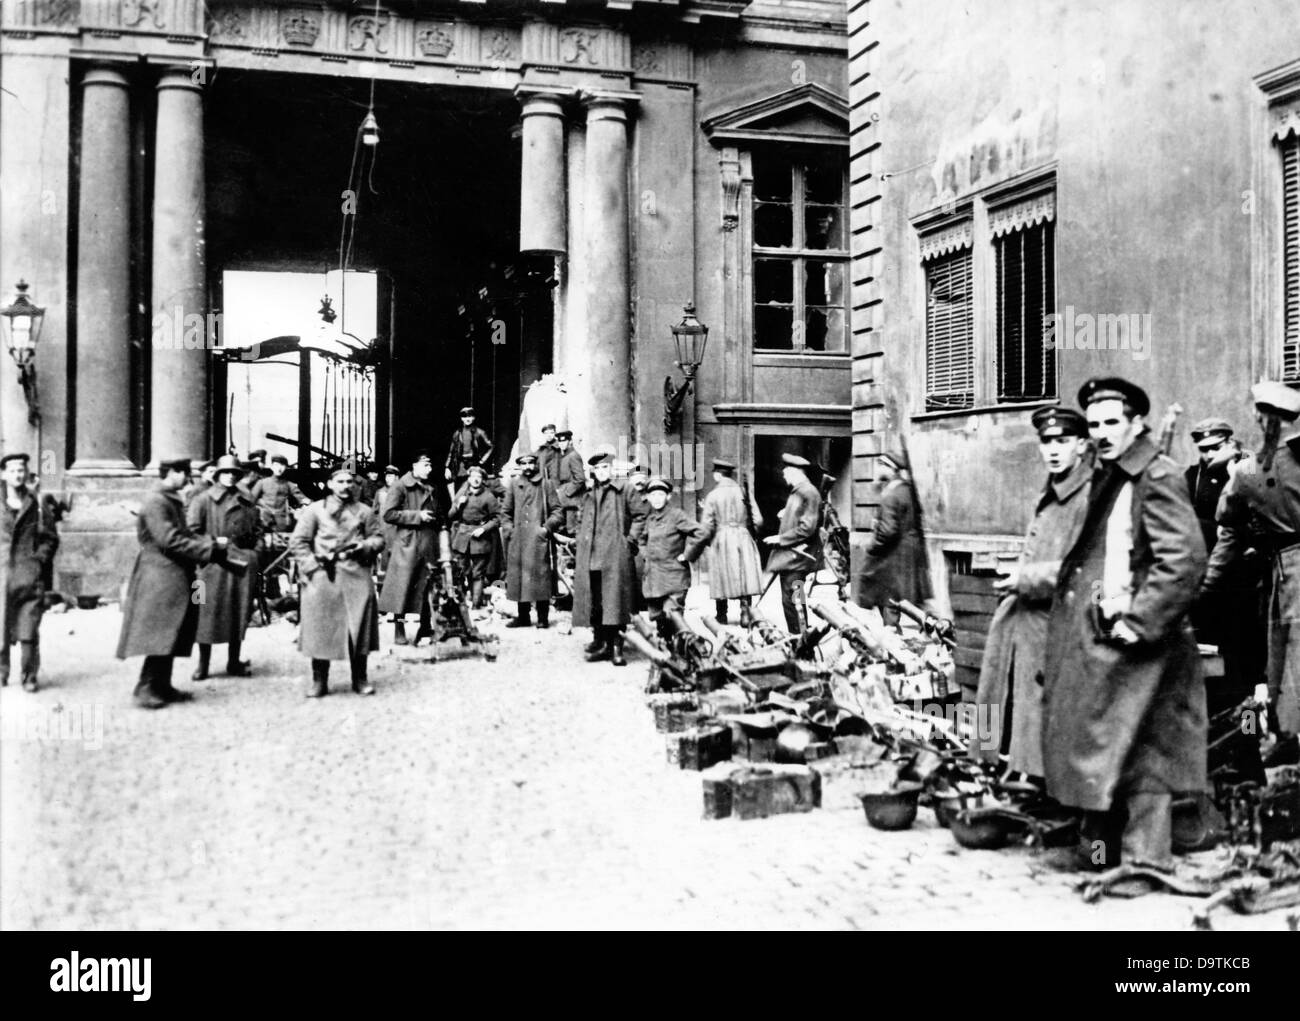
[{"x": 90, "y": 467}]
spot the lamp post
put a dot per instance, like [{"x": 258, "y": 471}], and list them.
[
  {"x": 691, "y": 338},
  {"x": 22, "y": 320}
]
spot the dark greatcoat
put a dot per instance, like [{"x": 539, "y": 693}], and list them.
[
  {"x": 161, "y": 613},
  {"x": 662, "y": 536},
  {"x": 532, "y": 510},
  {"x": 342, "y": 612},
  {"x": 799, "y": 546},
  {"x": 605, "y": 543},
  {"x": 415, "y": 551},
  {"x": 28, "y": 542},
  {"x": 1128, "y": 719},
  {"x": 468, "y": 447},
  {"x": 895, "y": 565},
  {"x": 570, "y": 483},
  {"x": 1012, "y": 671},
  {"x": 389, "y": 532},
  {"x": 480, "y": 510},
  {"x": 227, "y": 597}
]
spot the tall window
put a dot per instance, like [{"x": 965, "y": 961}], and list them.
[
  {"x": 800, "y": 252},
  {"x": 1291, "y": 259},
  {"x": 949, "y": 332},
  {"x": 1026, "y": 293}
]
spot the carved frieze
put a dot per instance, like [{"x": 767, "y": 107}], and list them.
[
  {"x": 228, "y": 23},
  {"x": 370, "y": 34},
  {"x": 57, "y": 12},
  {"x": 142, "y": 14},
  {"x": 300, "y": 27},
  {"x": 436, "y": 40}
]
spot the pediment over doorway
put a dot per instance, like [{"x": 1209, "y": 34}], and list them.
[{"x": 809, "y": 113}]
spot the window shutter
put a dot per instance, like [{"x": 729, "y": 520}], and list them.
[
  {"x": 1291, "y": 258},
  {"x": 949, "y": 333},
  {"x": 1026, "y": 294}
]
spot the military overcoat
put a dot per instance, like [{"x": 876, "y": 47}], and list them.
[
  {"x": 605, "y": 543},
  {"x": 663, "y": 536},
  {"x": 734, "y": 566},
  {"x": 415, "y": 545},
  {"x": 227, "y": 598},
  {"x": 532, "y": 509},
  {"x": 894, "y": 565},
  {"x": 28, "y": 542},
  {"x": 341, "y": 611}
]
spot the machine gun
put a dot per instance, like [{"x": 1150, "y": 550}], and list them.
[{"x": 449, "y": 604}]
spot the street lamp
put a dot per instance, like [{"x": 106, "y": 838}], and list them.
[
  {"x": 691, "y": 337},
  {"x": 22, "y": 328}
]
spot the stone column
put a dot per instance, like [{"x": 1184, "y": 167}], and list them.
[
  {"x": 606, "y": 359},
  {"x": 103, "y": 396},
  {"x": 178, "y": 395},
  {"x": 541, "y": 207}
]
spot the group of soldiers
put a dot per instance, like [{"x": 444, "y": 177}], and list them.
[{"x": 1092, "y": 670}]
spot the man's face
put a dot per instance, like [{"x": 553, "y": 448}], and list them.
[
  {"x": 341, "y": 484},
  {"x": 1061, "y": 453},
  {"x": 421, "y": 468},
  {"x": 475, "y": 482},
  {"x": 15, "y": 474},
  {"x": 548, "y": 436},
  {"x": 208, "y": 474},
  {"x": 226, "y": 479},
  {"x": 603, "y": 471},
  {"x": 885, "y": 471},
  {"x": 1211, "y": 447},
  {"x": 176, "y": 478},
  {"x": 563, "y": 443},
  {"x": 1112, "y": 430},
  {"x": 639, "y": 482},
  {"x": 278, "y": 468},
  {"x": 390, "y": 479},
  {"x": 467, "y": 420},
  {"x": 657, "y": 498},
  {"x": 792, "y": 475}
]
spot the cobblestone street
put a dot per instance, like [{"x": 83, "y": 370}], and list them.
[{"x": 532, "y": 792}]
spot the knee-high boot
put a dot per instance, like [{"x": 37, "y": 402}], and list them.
[
  {"x": 320, "y": 678},
  {"x": 205, "y": 663},
  {"x": 30, "y": 664}
]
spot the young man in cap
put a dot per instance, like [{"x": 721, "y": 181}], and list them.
[
  {"x": 798, "y": 546},
  {"x": 570, "y": 479},
  {"x": 206, "y": 471},
  {"x": 662, "y": 536},
  {"x": 411, "y": 507},
  {"x": 28, "y": 542},
  {"x": 334, "y": 543},
  {"x": 258, "y": 464},
  {"x": 1123, "y": 697},
  {"x": 895, "y": 565},
  {"x": 475, "y": 517},
  {"x": 531, "y": 514},
  {"x": 605, "y": 577},
  {"x": 392, "y": 474},
  {"x": 1207, "y": 477},
  {"x": 1010, "y": 681},
  {"x": 276, "y": 497},
  {"x": 160, "y": 615},
  {"x": 226, "y": 510},
  {"x": 469, "y": 445},
  {"x": 728, "y": 523},
  {"x": 548, "y": 454},
  {"x": 1260, "y": 511}
]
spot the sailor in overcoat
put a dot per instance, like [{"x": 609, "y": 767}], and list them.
[
  {"x": 798, "y": 545},
  {"x": 28, "y": 541},
  {"x": 604, "y": 575},
  {"x": 895, "y": 565},
  {"x": 531, "y": 515},
  {"x": 161, "y": 612},
  {"x": 728, "y": 521},
  {"x": 1124, "y": 724},
  {"x": 663, "y": 535},
  {"x": 335, "y": 543},
  {"x": 1011, "y": 676},
  {"x": 411, "y": 508},
  {"x": 474, "y": 517},
  {"x": 226, "y": 509}
]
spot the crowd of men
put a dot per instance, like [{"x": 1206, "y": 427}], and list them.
[{"x": 1092, "y": 670}]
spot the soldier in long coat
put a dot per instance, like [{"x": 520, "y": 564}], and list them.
[
  {"x": 532, "y": 513},
  {"x": 391, "y": 474},
  {"x": 1123, "y": 698},
  {"x": 411, "y": 507},
  {"x": 663, "y": 535},
  {"x": 798, "y": 544},
  {"x": 335, "y": 543},
  {"x": 226, "y": 510},
  {"x": 1011, "y": 676},
  {"x": 28, "y": 541},
  {"x": 728, "y": 521},
  {"x": 548, "y": 454},
  {"x": 604, "y": 575},
  {"x": 570, "y": 479},
  {"x": 161, "y": 612},
  {"x": 474, "y": 517},
  {"x": 895, "y": 565}
]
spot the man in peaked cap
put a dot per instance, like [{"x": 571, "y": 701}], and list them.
[
  {"x": 1010, "y": 681},
  {"x": 728, "y": 521},
  {"x": 1260, "y": 510},
  {"x": 570, "y": 479},
  {"x": 662, "y": 536},
  {"x": 28, "y": 542},
  {"x": 797, "y": 545},
  {"x": 469, "y": 445},
  {"x": 529, "y": 517},
  {"x": 1206, "y": 478},
  {"x": 1124, "y": 720},
  {"x": 605, "y": 577}
]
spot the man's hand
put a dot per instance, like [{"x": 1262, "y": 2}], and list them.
[
  {"x": 426, "y": 516},
  {"x": 681, "y": 558},
  {"x": 771, "y": 540},
  {"x": 1124, "y": 634},
  {"x": 476, "y": 533},
  {"x": 446, "y": 472},
  {"x": 1009, "y": 582}
]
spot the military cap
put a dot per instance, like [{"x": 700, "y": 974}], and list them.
[
  {"x": 550, "y": 426},
  {"x": 280, "y": 459},
  {"x": 604, "y": 458},
  {"x": 897, "y": 459},
  {"x": 795, "y": 461},
  {"x": 392, "y": 469},
  {"x": 1114, "y": 388},
  {"x": 200, "y": 466},
  {"x": 723, "y": 465},
  {"x": 658, "y": 485},
  {"x": 637, "y": 469},
  {"x": 475, "y": 469},
  {"x": 466, "y": 411},
  {"x": 1209, "y": 431},
  {"x": 564, "y": 434},
  {"x": 174, "y": 464},
  {"x": 1271, "y": 395},
  {"x": 25, "y": 458},
  {"x": 255, "y": 454},
  {"x": 524, "y": 460},
  {"x": 421, "y": 455},
  {"x": 342, "y": 469},
  {"x": 1058, "y": 421}
]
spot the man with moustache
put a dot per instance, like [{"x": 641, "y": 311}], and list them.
[
  {"x": 159, "y": 615},
  {"x": 797, "y": 545},
  {"x": 334, "y": 543},
  {"x": 474, "y": 517},
  {"x": 28, "y": 541},
  {"x": 1260, "y": 510},
  {"x": 411, "y": 508},
  {"x": 603, "y": 583},
  {"x": 531, "y": 514},
  {"x": 1124, "y": 722},
  {"x": 1011, "y": 677},
  {"x": 226, "y": 510}
]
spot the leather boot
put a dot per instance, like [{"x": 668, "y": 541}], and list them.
[
  {"x": 320, "y": 677},
  {"x": 399, "y": 634},
  {"x": 359, "y": 683},
  {"x": 147, "y": 691},
  {"x": 236, "y": 667},
  {"x": 522, "y": 617},
  {"x": 616, "y": 650},
  {"x": 205, "y": 663},
  {"x": 4, "y": 666},
  {"x": 543, "y": 614},
  {"x": 720, "y": 610},
  {"x": 30, "y": 664},
  {"x": 476, "y": 594},
  {"x": 599, "y": 647},
  {"x": 746, "y": 612}
]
